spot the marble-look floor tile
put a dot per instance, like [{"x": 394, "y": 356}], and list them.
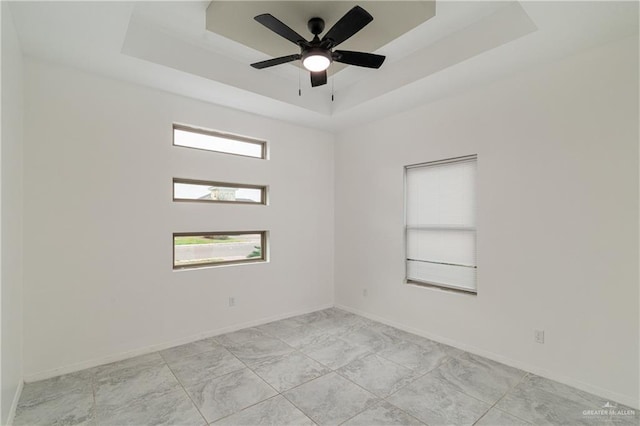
[
  {"x": 330, "y": 399},
  {"x": 621, "y": 415},
  {"x": 438, "y": 403},
  {"x": 383, "y": 328},
  {"x": 428, "y": 343},
  {"x": 302, "y": 336},
  {"x": 276, "y": 411},
  {"x": 544, "y": 408},
  {"x": 240, "y": 336},
  {"x": 624, "y": 419},
  {"x": 562, "y": 390},
  {"x": 56, "y": 386},
  {"x": 369, "y": 323},
  {"x": 119, "y": 390},
  {"x": 617, "y": 414},
  {"x": 222, "y": 396},
  {"x": 290, "y": 370},
  {"x": 420, "y": 358},
  {"x": 306, "y": 319},
  {"x": 189, "y": 349},
  {"x": 544, "y": 402},
  {"x": 128, "y": 366},
  {"x": 496, "y": 417},
  {"x": 316, "y": 316},
  {"x": 452, "y": 351},
  {"x": 259, "y": 349},
  {"x": 280, "y": 328},
  {"x": 70, "y": 408},
  {"x": 405, "y": 336},
  {"x": 479, "y": 377},
  {"x": 205, "y": 365},
  {"x": 377, "y": 375},
  {"x": 456, "y": 389},
  {"x": 370, "y": 337},
  {"x": 339, "y": 324},
  {"x": 335, "y": 352},
  {"x": 169, "y": 408},
  {"x": 383, "y": 414}
]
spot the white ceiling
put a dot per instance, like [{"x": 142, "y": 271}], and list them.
[{"x": 165, "y": 45}]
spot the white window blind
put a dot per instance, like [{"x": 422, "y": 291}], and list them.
[{"x": 441, "y": 223}]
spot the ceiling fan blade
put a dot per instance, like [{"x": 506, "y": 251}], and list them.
[
  {"x": 318, "y": 78},
  {"x": 278, "y": 27},
  {"x": 276, "y": 61},
  {"x": 360, "y": 59},
  {"x": 352, "y": 22}
]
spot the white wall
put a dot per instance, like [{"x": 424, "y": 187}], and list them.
[
  {"x": 11, "y": 214},
  {"x": 557, "y": 221},
  {"x": 99, "y": 160}
]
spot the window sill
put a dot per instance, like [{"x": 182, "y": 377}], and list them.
[
  {"x": 441, "y": 287},
  {"x": 221, "y": 265}
]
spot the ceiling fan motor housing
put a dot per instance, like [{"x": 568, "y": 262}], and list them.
[{"x": 316, "y": 25}]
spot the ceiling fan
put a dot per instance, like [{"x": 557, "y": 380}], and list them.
[{"x": 317, "y": 54}]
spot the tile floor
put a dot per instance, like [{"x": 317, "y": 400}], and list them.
[{"x": 327, "y": 368}]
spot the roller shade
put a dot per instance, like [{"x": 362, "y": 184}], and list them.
[{"x": 441, "y": 223}]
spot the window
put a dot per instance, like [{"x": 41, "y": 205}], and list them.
[
  {"x": 211, "y": 140},
  {"x": 441, "y": 223},
  {"x": 218, "y": 192},
  {"x": 198, "y": 249}
]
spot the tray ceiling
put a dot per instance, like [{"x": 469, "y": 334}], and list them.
[
  {"x": 166, "y": 45},
  {"x": 391, "y": 19}
]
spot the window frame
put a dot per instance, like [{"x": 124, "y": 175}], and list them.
[
  {"x": 432, "y": 284},
  {"x": 219, "y": 134},
  {"x": 262, "y": 188},
  {"x": 262, "y": 259}
]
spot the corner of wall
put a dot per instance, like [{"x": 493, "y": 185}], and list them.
[
  {"x": 14, "y": 405},
  {"x": 11, "y": 200}
]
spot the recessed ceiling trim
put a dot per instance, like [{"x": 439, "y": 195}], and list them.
[
  {"x": 90, "y": 35},
  {"x": 145, "y": 42},
  {"x": 503, "y": 26}
]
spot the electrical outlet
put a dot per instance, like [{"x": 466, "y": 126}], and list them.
[
  {"x": 232, "y": 301},
  {"x": 365, "y": 292},
  {"x": 538, "y": 336}
]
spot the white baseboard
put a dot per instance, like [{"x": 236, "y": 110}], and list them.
[
  {"x": 34, "y": 377},
  {"x": 596, "y": 390},
  {"x": 14, "y": 404}
]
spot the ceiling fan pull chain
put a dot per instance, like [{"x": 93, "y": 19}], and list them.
[
  {"x": 333, "y": 77},
  {"x": 299, "y": 88}
]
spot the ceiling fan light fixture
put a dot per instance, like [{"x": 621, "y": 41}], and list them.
[{"x": 316, "y": 60}]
